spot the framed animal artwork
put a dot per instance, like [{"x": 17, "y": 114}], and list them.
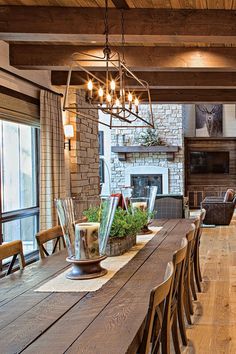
[{"x": 209, "y": 120}]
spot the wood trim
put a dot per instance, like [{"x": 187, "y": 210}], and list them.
[
  {"x": 144, "y": 149},
  {"x": 19, "y": 95},
  {"x": 153, "y": 58},
  {"x": 21, "y": 23},
  {"x": 159, "y": 79}
]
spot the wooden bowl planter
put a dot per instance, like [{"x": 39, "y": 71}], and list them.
[{"x": 117, "y": 246}]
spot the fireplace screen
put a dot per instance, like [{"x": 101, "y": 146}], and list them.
[{"x": 139, "y": 182}]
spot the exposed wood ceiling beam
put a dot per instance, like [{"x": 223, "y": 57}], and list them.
[
  {"x": 86, "y": 25},
  {"x": 121, "y": 4},
  {"x": 157, "y": 80},
  {"x": 193, "y": 96},
  {"x": 140, "y": 59}
]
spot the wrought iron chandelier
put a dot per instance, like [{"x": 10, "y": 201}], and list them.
[{"x": 111, "y": 95}]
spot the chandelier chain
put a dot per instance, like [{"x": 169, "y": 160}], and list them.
[
  {"x": 106, "y": 23},
  {"x": 123, "y": 35}
]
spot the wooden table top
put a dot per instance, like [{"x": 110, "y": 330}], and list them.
[{"x": 108, "y": 321}]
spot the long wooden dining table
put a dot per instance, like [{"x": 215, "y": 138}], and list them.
[{"x": 107, "y": 321}]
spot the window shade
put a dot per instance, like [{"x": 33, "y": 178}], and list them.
[{"x": 19, "y": 110}]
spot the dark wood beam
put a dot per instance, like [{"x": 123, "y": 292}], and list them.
[
  {"x": 161, "y": 79},
  {"x": 86, "y": 25},
  {"x": 140, "y": 59},
  {"x": 193, "y": 96},
  {"x": 121, "y": 4}
]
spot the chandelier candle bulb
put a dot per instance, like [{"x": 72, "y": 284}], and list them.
[
  {"x": 113, "y": 85},
  {"x": 108, "y": 99},
  {"x": 100, "y": 94},
  {"x": 130, "y": 99},
  {"x": 136, "y": 103},
  {"x": 90, "y": 88}
]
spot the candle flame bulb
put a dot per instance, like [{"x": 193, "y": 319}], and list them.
[
  {"x": 113, "y": 85},
  {"x": 136, "y": 103},
  {"x": 100, "y": 92},
  {"x": 117, "y": 102},
  {"x": 108, "y": 98},
  {"x": 90, "y": 85},
  {"x": 130, "y": 97}
]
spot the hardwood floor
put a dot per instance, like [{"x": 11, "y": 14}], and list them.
[{"x": 214, "y": 321}]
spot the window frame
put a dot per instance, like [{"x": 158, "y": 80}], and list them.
[{"x": 23, "y": 212}]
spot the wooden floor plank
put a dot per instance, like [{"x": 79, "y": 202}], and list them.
[{"x": 214, "y": 322}]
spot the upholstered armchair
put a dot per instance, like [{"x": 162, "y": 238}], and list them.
[{"x": 219, "y": 210}]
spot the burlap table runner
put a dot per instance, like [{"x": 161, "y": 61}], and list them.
[{"x": 61, "y": 284}]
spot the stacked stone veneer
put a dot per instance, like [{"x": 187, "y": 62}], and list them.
[
  {"x": 84, "y": 155},
  {"x": 169, "y": 124}
]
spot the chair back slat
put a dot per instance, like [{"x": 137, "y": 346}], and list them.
[
  {"x": 179, "y": 257},
  {"x": 153, "y": 326},
  {"x": 42, "y": 237},
  {"x": 12, "y": 249}
]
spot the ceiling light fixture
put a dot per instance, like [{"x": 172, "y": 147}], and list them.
[{"x": 111, "y": 93}]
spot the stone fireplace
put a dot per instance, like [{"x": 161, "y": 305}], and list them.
[{"x": 151, "y": 167}]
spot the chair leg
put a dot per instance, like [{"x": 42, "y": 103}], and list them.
[
  {"x": 181, "y": 323},
  {"x": 190, "y": 301},
  {"x": 187, "y": 307},
  {"x": 196, "y": 273},
  {"x": 193, "y": 284},
  {"x": 165, "y": 338},
  {"x": 198, "y": 262},
  {"x": 175, "y": 337}
]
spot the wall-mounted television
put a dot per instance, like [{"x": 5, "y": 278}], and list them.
[{"x": 209, "y": 162}]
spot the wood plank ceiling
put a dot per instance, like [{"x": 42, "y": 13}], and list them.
[
  {"x": 185, "y": 49},
  {"x": 158, "y": 4}
]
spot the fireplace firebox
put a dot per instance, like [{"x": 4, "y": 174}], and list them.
[{"x": 140, "y": 181}]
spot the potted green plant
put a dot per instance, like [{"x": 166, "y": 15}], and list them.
[{"x": 125, "y": 227}]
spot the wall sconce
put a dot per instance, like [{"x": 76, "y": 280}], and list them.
[{"x": 69, "y": 133}]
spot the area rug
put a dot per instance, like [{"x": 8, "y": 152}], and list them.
[{"x": 61, "y": 284}]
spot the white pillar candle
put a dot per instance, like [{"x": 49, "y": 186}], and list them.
[
  {"x": 87, "y": 242},
  {"x": 140, "y": 205}
]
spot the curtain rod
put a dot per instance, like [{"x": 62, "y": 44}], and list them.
[{"x": 30, "y": 82}]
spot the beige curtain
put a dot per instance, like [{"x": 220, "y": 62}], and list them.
[{"x": 52, "y": 162}]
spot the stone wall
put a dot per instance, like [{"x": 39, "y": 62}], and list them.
[
  {"x": 84, "y": 155},
  {"x": 169, "y": 124}
]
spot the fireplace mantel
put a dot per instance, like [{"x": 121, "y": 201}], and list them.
[{"x": 122, "y": 151}]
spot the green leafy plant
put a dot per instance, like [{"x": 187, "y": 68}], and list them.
[
  {"x": 124, "y": 223},
  {"x": 150, "y": 138}
]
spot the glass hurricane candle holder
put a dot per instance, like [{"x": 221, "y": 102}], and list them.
[
  {"x": 85, "y": 241},
  {"x": 151, "y": 193}
]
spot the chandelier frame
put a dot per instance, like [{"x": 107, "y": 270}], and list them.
[
  {"x": 115, "y": 66},
  {"x": 115, "y": 104}
]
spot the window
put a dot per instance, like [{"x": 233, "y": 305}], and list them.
[{"x": 19, "y": 183}]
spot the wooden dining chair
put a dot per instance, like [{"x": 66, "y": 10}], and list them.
[
  {"x": 188, "y": 305},
  {"x": 176, "y": 316},
  {"x": 193, "y": 281},
  {"x": 159, "y": 298},
  {"x": 53, "y": 234},
  {"x": 12, "y": 249},
  {"x": 197, "y": 269}
]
